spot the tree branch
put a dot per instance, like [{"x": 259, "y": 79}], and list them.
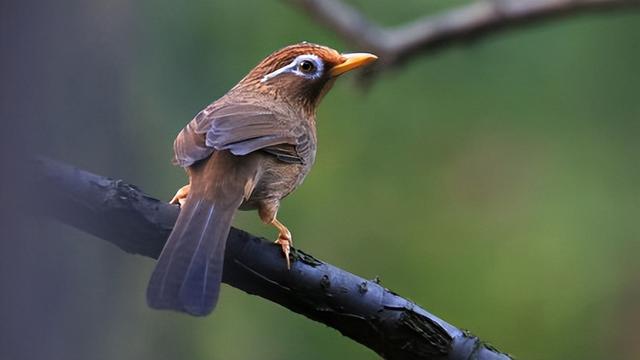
[
  {"x": 396, "y": 45},
  {"x": 381, "y": 320}
]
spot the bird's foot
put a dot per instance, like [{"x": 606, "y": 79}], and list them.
[
  {"x": 285, "y": 244},
  {"x": 181, "y": 195},
  {"x": 285, "y": 240}
]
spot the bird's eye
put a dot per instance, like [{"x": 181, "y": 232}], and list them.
[{"x": 307, "y": 66}]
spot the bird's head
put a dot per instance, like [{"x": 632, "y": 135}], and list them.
[{"x": 302, "y": 73}]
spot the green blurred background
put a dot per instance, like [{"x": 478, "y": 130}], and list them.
[{"x": 494, "y": 183}]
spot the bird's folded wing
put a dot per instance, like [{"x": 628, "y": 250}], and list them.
[{"x": 242, "y": 129}]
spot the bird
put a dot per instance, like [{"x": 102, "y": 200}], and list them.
[{"x": 245, "y": 151}]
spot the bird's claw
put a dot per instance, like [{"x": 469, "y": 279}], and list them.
[
  {"x": 181, "y": 195},
  {"x": 285, "y": 243},
  {"x": 284, "y": 239}
]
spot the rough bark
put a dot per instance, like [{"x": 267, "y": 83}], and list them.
[{"x": 361, "y": 309}]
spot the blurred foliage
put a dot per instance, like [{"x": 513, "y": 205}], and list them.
[{"x": 494, "y": 183}]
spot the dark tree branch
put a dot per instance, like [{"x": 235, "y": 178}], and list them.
[
  {"x": 398, "y": 44},
  {"x": 368, "y": 313}
]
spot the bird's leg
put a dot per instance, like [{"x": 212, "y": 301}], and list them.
[
  {"x": 181, "y": 195},
  {"x": 268, "y": 211},
  {"x": 284, "y": 239}
]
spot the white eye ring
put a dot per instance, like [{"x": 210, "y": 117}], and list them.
[{"x": 294, "y": 68}]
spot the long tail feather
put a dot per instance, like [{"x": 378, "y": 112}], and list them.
[{"x": 189, "y": 271}]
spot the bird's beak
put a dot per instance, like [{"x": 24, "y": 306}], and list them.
[{"x": 352, "y": 61}]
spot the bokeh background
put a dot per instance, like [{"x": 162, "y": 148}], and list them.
[{"x": 495, "y": 183}]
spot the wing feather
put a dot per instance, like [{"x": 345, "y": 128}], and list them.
[{"x": 242, "y": 129}]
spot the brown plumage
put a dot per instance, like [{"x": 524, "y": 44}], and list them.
[{"x": 247, "y": 150}]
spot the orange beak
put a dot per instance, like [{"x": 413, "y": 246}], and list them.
[{"x": 352, "y": 61}]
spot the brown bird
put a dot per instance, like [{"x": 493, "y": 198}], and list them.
[{"x": 247, "y": 150}]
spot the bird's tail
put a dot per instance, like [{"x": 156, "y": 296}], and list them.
[{"x": 189, "y": 271}]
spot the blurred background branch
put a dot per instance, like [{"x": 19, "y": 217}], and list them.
[
  {"x": 381, "y": 320},
  {"x": 396, "y": 45}
]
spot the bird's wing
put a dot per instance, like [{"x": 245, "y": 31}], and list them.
[{"x": 242, "y": 129}]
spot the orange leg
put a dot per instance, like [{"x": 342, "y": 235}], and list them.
[
  {"x": 284, "y": 239},
  {"x": 181, "y": 195}
]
